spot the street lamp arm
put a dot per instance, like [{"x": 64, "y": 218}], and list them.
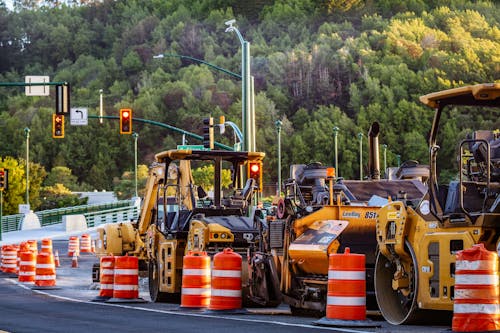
[
  {"x": 162, "y": 55},
  {"x": 237, "y": 131}
]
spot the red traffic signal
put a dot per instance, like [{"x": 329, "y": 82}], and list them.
[
  {"x": 125, "y": 121},
  {"x": 57, "y": 126},
  {"x": 3, "y": 179},
  {"x": 255, "y": 172}
]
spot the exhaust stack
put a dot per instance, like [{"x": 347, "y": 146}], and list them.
[{"x": 374, "y": 160}]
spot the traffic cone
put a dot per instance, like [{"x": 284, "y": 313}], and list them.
[
  {"x": 56, "y": 259},
  {"x": 93, "y": 246},
  {"x": 74, "y": 261}
]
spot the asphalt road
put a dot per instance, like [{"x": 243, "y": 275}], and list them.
[{"x": 70, "y": 308}]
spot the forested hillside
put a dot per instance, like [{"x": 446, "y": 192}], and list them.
[{"x": 317, "y": 64}]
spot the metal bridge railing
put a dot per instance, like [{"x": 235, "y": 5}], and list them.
[{"x": 123, "y": 208}]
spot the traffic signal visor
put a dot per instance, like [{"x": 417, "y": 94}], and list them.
[{"x": 125, "y": 121}]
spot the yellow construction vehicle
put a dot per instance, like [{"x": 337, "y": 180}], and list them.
[
  {"x": 319, "y": 216},
  {"x": 415, "y": 265},
  {"x": 178, "y": 216}
]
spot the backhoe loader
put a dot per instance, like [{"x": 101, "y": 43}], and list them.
[
  {"x": 178, "y": 216},
  {"x": 415, "y": 265}
]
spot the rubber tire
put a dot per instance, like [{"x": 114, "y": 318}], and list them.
[{"x": 154, "y": 285}]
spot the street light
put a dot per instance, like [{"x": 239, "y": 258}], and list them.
[
  {"x": 101, "y": 112},
  {"x": 248, "y": 117},
  {"x": 360, "y": 136},
  {"x": 27, "y": 134},
  {"x": 335, "y": 147},
  {"x": 135, "y": 136},
  {"x": 278, "y": 124}
]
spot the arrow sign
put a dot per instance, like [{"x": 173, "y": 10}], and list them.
[{"x": 79, "y": 116}]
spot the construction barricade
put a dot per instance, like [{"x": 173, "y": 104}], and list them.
[
  {"x": 46, "y": 245},
  {"x": 27, "y": 266},
  {"x": 476, "y": 305},
  {"x": 73, "y": 246},
  {"x": 9, "y": 259},
  {"x": 126, "y": 280},
  {"x": 106, "y": 278},
  {"x": 195, "y": 280},
  {"x": 45, "y": 272},
  {"x": 226, "y": 281},
  {"x": 85, "y": 244},
  {"x": 346, "y": 295}
]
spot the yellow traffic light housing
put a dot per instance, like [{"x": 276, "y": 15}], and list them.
[
  {"x": 57, "y": 126},
  {"x": 4, "y": 184},
  {"x": 125, "y": 121},
  {"x": 255, "y": 172}
]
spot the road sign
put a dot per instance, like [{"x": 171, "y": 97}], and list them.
[
  {"x": 24, "y": 208},
  {"x": 191, "y": 147},
  {"x": 36, "y": 90},
  {"x": 79, "y": 116}
]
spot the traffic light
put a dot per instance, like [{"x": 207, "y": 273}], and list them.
[
  {"x": 62, "y": 99},
  {"x": 57, "y": 126},
  {"x": 255, "y": 172},
  {"x": 4, "y": 175},
  {"x": 208, "y": 133},
  {"x": 125, "y": 121}
]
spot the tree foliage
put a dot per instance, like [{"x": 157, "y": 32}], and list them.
[{"x": 316, "y": 65}]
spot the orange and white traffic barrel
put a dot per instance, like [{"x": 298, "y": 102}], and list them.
[
  {"x": 85, "y": 244},
  {"x": 45, "y": 272},
  {"x": 73, "y": 246},
  {"x": 9, "y": 259},
  {"x": 106, "y": 276},
  {"x": 476, "y": 304},
  {"x": 346, "y": 299},
  {"x": 346, "y": 294},
  {"x": 195, "y": 280},
  {"x": 226, "y": 281},
  {"x": 46, "y": 245},
  {"x": 126, "y": 277},
  {"x": 33, "y": 244},
  {"x": 27, "y": 266}
]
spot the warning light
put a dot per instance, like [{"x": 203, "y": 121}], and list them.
[
  {"x": 255, "y": 172},
  {"x": 125, "y": 121}
]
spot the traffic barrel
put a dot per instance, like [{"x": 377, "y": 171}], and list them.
[
  {"x": 195, "y": 280},
  {"x": 46, "y": 245},
  {"x": 33, "y": 244},
  {"x": 9, "y": 259},
  {"x": 126, "y": 278},
  {"x": 85, "y": 244},
  {"x": 45, "y": 272},
  {"x": 106, "y": 276},
  {"x": 346, "y": 291},
  {"x": 226, "y": 281},
  {"x": 27, "y": 266},
  {"x": 73, "y": 246},
  {"x": 476, "y": 305}
]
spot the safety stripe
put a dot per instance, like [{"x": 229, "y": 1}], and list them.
[
  {"x": 476, "y": 265},
  {"x": 346, "y": 275},
  {"x": 27, "y": 263},
  {"x": 122, "y": 271},
  {"x": 26, "y": 273},
  {"x": 196, "y": 291},
  {"x": 226, "y": 273},
  {"x": 106, "y": 286},
  {"x": 9, "y": 265},
  {"x": 193, "y": 271},
  {"x": 124, "y": 287},
  {"x": 476, "y": 308},
  {"x": 472, "y": 279},
  {"x": 45, "y": 266},
  {"x": 7, "y": 257},
  {"x": 107, "y": 271},
  {"x": 226, "y": 292},
  {"x": 346, "y": 300},
  {"x": 45, "y": 277}
]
